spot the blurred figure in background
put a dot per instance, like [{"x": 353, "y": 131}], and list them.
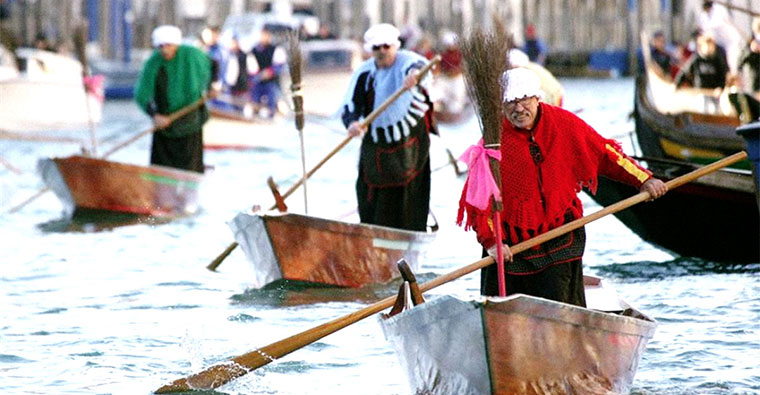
[
  {"x": 534, "y": 47},
  {"x": 215, "y": 51},
  {"x": 714, "y": 19},
  {"x": 751, "y": 59},
  {"x": 661, "y": 55},
  {"x": 269, "y": 62}
]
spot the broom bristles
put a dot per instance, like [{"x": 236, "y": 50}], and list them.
[{"x": 485, "y": 60}]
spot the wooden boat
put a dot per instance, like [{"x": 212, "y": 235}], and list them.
[
  {"x": 315, "y": 250},
  {"x": 232, "y": 125},
  {"x": 714, "y": 218},
  {"x": 51, "y": 83},
  {"x": 83, "y": 183},
  {"x": 520, "y": 344}
]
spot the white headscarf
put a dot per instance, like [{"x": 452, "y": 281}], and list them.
[
  {"x": 383, "y": 33},
  {"x": 519, "y": 83},
  {"x": 166, "y": 34}
]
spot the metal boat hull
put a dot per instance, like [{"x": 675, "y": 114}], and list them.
[{"x": 519, "y": 345}]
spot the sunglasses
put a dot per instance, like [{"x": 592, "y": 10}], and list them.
[{"x": 383, "y": 46}]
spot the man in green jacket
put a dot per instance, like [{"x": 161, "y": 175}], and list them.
[{"x": 173, "y": 77}]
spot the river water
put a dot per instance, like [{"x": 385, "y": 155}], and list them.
[{"x": 88, "y": 308}]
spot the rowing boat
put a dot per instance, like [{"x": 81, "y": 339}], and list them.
[
  {"x": 315, "y": 250},
  {"x": 84, "y": 183},
  {"x": 520, "y": 344}
]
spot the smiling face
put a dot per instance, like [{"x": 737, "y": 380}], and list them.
[{"x": 521, "y": 113}]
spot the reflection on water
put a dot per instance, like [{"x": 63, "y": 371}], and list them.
[
  {"x": 89, "y": 221},
  {"x": 294, "y": 293},
  {"x": 679, "y": 267}
]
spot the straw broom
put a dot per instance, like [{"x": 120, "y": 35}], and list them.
[
  {"x": 295, "y": 64},
  {"x": 485, "y": 60}
]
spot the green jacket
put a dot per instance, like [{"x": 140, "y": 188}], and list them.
[{"x": 189, "y": 75}]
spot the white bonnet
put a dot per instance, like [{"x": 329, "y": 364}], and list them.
[
  {"x": 166, "y": 34},
  {"x": 380, "y": 34},
  {"x": 448, "y": 38},
  {"x": 517, "y": 58},
  {"x": 519, "y": 83}
]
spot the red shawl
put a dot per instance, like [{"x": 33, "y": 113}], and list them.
[{"x": 574, "y": 154}]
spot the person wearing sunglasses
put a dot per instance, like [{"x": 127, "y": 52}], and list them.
[
  {"x": 548, "y": 155},
  {"x": 173, "y": 77},
  {"x": 393, "y": 184}
]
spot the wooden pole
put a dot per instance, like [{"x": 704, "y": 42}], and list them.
[{"x": 223, "y": 373}]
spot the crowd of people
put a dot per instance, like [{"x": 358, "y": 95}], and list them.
[{"x": 716, "y": 56}]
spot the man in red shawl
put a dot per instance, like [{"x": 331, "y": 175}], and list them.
[{"x": 547, "y": 155}]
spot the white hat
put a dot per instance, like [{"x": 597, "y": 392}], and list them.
[
  {"x": 166, "y": 34},
  {"x": 517, "y": 58},
  {"x": 519, "y": 83},
  {"x": 448, "y": 38},
  {"x": 383, "y": 33}
]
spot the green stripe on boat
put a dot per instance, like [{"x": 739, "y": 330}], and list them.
[{"x": 169, "y": 181}]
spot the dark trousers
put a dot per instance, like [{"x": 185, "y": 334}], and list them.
[
  {"x": 562, "y": 282},
  {"x": 404, "y": 207},
  {"x": 184, "y": 153}
]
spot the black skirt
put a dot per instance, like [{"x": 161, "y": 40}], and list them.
[{"x": 184, "y": 153}]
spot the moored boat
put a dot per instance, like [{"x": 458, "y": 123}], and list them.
[
  {"x": 84, "y": 183},
  {"x": 321, "y": 251},
  {"x": 520, "y": 344},
  {"x": 49, "y": 82}
]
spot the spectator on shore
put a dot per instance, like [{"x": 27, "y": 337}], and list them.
[
  {"x": 270, "y": 62},
  {"x": 714, "y": 19},
  {"x": 661, "y": 55},
  {"x": 751, "y": 59},
  {"x": 707, "y": 68},
  {"x": 534, "y": 47}
]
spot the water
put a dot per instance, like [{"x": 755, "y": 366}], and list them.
[{"x": 88, "y": 308}]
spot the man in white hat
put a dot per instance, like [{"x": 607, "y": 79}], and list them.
[
  {"x": 548, "y": 154},
  {"x": 173, "y": 77},
  {"x": 393, "y": 187}
]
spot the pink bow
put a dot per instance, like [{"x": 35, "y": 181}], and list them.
[{"x": 480, "y": 183}]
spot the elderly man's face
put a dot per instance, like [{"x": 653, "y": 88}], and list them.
[
  {"x": 384, "y": 55},
  {"x": 168, "y": 51},
  {"x": 521, "y": 113}
]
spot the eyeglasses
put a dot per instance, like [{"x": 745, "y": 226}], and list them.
[
  {"x": 383, "y": 46},
  {"x": 522, "y": 102}
]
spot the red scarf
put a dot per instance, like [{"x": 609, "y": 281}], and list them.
[{"x": 572, "y": 152}]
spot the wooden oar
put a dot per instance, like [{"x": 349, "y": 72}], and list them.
[
  {"x": 9, "y": 166},
  {"x": 365, "y": 122},
  {"x": 172, "y": 117},
  {"x": 223, "y": 373}
]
